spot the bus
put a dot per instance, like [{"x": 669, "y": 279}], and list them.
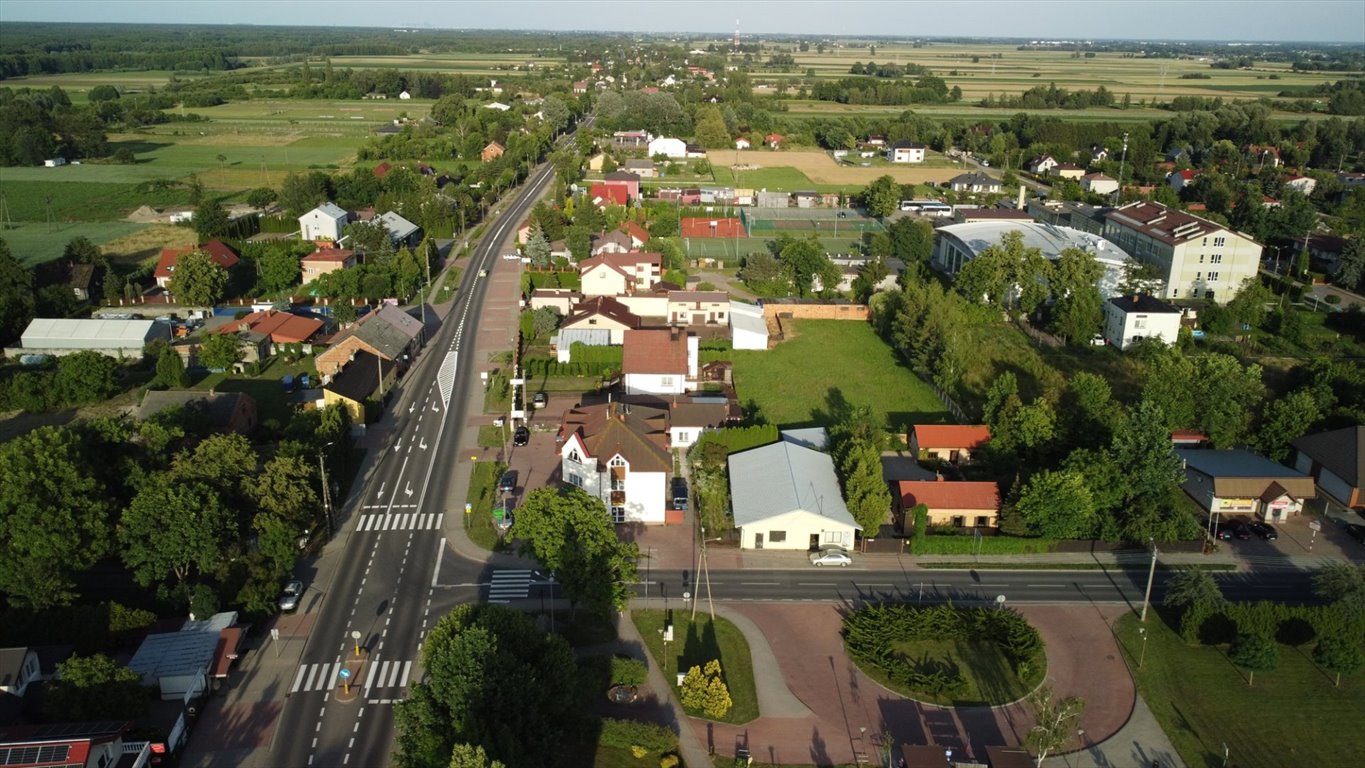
[{"x": 931, "y": 208}]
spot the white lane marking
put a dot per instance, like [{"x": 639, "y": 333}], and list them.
[
  {"x": 440, "y": 553},
  {"x": 298, "y": 680}
]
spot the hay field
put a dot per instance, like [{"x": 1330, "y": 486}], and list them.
[
  {"x": 142, "y": 247},
  {"x": 820, "y": 168}
]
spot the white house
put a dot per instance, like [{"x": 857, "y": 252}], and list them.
[
  {"x": 688, "y": 417},
  {"x": 498, "y": 105},
  {"x": 659, "y": 362},
  {"x": 619, "y": 454},
  {"x": 667, "y": 147},
  {"x": 1128, "y": 319},
  {"x": 748, "y": 329},
  {"x": 1304, "y": 184},
  {"x": 1099, "y": 184},
  {"x": 324, "y": 222},
  {"x": 1042, "y": 164},
  {"x": 974, "y": 182},
  {"x": 905, "y": 152},
  {"x": 18, "y": 668},
  {"x": 786, "y": 496},
  {"x": 1196, "y": 257},
  {"x": 54, "y": 162},
  {"x": 602, "y": 313},
  {"x": 404, "y": 95},
  {"x": 616, "y": 274}
]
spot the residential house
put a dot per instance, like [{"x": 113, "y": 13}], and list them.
[
  {"x": 741, "y": 143},
  {"x": 1099, "y": 184},
  {"x": 626, "y": 179},
  {"x": 1325, "y": 251},
  {"x": 603, "y": 195},
  {"x": 278, "y": 327},
  {"x": 72, "y": 745},
  {"x": 115, "y": 338},
  {"x": 1304, "y": 184},
  {"x": 560, "y": 300},
  {"x": 668, "y": 147},
  {"x": 404, "y": 95},
  {"x": 786, "y": 496},
  {"x": 615, "y": 274},
  {"x": 597, "y": 162},
  {"x": 1042, "y": 165},
  {"x": 956, "y": 503},
  {"x": 602, "y": 313},
  {"x": 326, "y": 222},
  {"x": 619, "y": 453},
  {"x": 363, "y": 378},
  {"x": 874, "y": 140},
  {"x": 402, "y": 233},
  {"x": 612, "y": 242},
  {"x": 86, "y": 280},
  {"x": 774, "y": 140},
  {"x": 1181, "y": 179},
  {"x": 659, "y": 362},
  {"x": 748, "y": 327},
  {"x": 1068, "y": 171},
  {"x": 1240, "y": 482},
  {"x": 689, "y": 417},
  {"x": 221, "y": 253},
  {"x": 643, "y": 168},
  {"x": 1129, "y": 319},
  {"x": 491, "y": 152},
  {"x": 580, "y": 86},
  {"x": 639, "y": 236},
  {"x": 1336, "y": 460},
  {"x": 905, "y": 152},
  {"x": 324, "y": 260},
  {"x": 1098, "y": 154},
  {"x": 223, "y": 411},
  {"x": 699, "y": 308},
  {"x": 1196, "y": 257},
  {"x": 18, "y": 668},
  {"x": 974, "y": 182},
  {"x": 389, "y": 333},
  {"x": 953, "y": 443},
  {"x": 630, "y": 139}
]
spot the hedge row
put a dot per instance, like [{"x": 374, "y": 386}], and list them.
[
  {"x": 986, "y": 545},
  {"x": 624, "y": 734},
  {"x": 738, "y": 438},
  {"x": 540, "y": 366},
  {"x": 1289, "y": 624},
  {"x": 582, "y": 353},
  {"x": 871, "y": 632}
]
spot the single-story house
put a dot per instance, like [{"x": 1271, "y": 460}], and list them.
[
  {"x": 182, "y": 661},
  {"x": 741, "y": 143},
  {"x": 1304, "y": 184},
  {"x": 974, "y": 182},
  {"x": 491, "y": 152},
  {"x": 1181, "y": 179},
  {"x": 1099, "y": 184},
  {"x": 960, "y": 504},
  {"x": 357, "y": 382},
  {"x": 786, "y": 496},
  {"x": 86, "y": 280},
  {"x": 221, "y": 253},
  {"x": 560, "y": 300},
  {"x": 643, "y": 168},
  {"x": 1128, "y": 319},
  {"x": 620, "y": 454},
  {"x": 224, "y": 411},
  {"x": 1068, "y": 171},
  {"x": 279, "y": 327},
  {"x": 602, "y": 195},
  {"x": 955, "y": 443},
  {"x": 659, "y": 362},
  {"x": 602, "y": 313},
  {"x": 401, "y": 231},
  {"x": 748, "y": 327},
  {"x": 774, "y": 140},
  {"x": 1336, "y": 460},
  {"x": 390, "y": 333},
  {"x": 1237, "y": 481}
]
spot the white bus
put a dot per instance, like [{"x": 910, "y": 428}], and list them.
[{"x": 931, "y": 208}]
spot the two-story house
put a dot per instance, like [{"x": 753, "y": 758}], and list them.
[
  {"x": 905, "y": 152},
  {"x": 659, "y": 362},
  {"x": 325, "y": 222},
  {"x": 219, "y": 252},
  {"x": 390, "y": 334},
  {"x": 324, "y": 260},
  {"x": 1042, "y": 164},
  {"x": 698, "y": 308},
  {"x": 1129, "y": 319},
  {"x": 615, "y": 274},
  {"x": 1196, "y": 258},
  {"x": 619, "y": 453}
]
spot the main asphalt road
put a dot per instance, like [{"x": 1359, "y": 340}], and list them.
[{"x": 379, "y": 601}]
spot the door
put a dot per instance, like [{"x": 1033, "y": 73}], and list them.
[
  {"x": 758, "y": 541},
  {"x": 814, "y": 541}
]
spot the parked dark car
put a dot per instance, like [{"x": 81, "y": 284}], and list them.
[
  {"x": 521, "y": 437},
  {"x": 679, "y": 493},
  {"x": 1222, "y": 532},
  {"x": 1240, "y": 529},
  {"x": 1265, "y": 531},
  {"x": 508, "y": 482},
  {"x": 1356, "y": 532}
]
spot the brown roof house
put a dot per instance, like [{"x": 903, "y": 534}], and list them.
[
  {"x": 223, "y": 411},
  {"x": 615, "y": 274},
  {"x": 324, "y": 260},
  {"x": 1336, "y": 460},
  {"x": 659, "y": 362},
  {"x": 1240, "y": 482},
  {"x": 602, "y": 313},
  {"x": 390, "y": 333},
  {"x": 960, "y": 504},
  {"x": 493, "y": 151},
  {"x": 619, "y": 453},
  {"x": 366, "y": 377},
  {"x": 948, "y": 442},
  {"x": 221, "y": 254}
]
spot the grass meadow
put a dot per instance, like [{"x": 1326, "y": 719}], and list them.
[
  {"x": 36, "y": 242},
  {"x": 828, "y": 365}
]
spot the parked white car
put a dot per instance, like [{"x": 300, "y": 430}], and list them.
[{"x": 830, "y": 557}]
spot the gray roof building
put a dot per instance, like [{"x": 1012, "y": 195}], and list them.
[
  {"x": 782, "y": 477},
  {"x": 112, "y": 337}
]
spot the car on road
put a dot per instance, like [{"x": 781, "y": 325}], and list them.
[
  {"x": 521, "y": 436},
  {"x": 508, "y": 482},
  {"x": 1222, "y": 532},
  {"x": 539, "y": 400},
  {"x": 1240, "y": 529},
  {"x": 1356, "y": 532},
  {"x": 1265, "y": 531},
  {"x": 830, "y": 557},
  {"x": 289, "y": 598}
]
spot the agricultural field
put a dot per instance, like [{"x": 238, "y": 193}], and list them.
[
  {"x": 36, "y": 242},
  {"x": 491, "y": 64},
  {"x": 78, "y": 84},
  {"x": 819, "y": 167}
]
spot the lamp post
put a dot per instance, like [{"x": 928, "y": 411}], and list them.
[
  {"x": 326, "y": 495},
  {"x": 1151, "y": 574},
  {"x": 1142, "y": 657}
]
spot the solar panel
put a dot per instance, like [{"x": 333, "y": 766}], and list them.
[{"x": 32, "y": 755}]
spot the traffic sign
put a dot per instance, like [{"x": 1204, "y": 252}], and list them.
[
  {"x": 1315, "y": 525},
  {"x": 345, "y": 673}
]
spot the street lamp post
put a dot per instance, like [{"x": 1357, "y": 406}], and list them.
[
  {"x": 326, "y": 494},
  {"x": 1142, "y": 657},
  {"x": 1151, "y": 574}
]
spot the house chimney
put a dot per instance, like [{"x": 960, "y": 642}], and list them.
[{"x": 1020, "y": 203}]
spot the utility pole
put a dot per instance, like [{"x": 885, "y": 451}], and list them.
[
  {"x": 326, "y": 496},
  {"x": 1118, "y": 193},
  {"x": 1151, "y": 574}
]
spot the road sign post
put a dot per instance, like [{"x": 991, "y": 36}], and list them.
[
  {"x": 355, "y": 635},
  {"x": 1315, "y": 526},
  {"x": 275, "y": 640},
  {"x": 345, "y": 680}
]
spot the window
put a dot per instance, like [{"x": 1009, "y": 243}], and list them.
[
  {"x": 1216, "y": 258},
  {"x": 777, "y": 537},
  {"x": 574, "y": 480},
  {"x": 1206, "y": 241},
  {"x": 1198, "y": 276},
  {"x": 1140, "y": 322},
  {"x": 1213, "y": 277},
  {"x": 665, "y": 381},
  {"x": 1175, "y": 293},
  {"x": 1218, "y": 242},
  {"x": 618, "y": 514},
  {"x": 592, "y": 321},
  {"x": 959, "y": 521},
  {"x": 616, "y": 461},
  {"x": 982, "y": 521},
  {"x": 574, "y": 457},
  {"x": 1201, "y": 258}
]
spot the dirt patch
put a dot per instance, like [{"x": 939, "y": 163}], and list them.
[
  {"x": 821, "y": 168},
  {"x": 141, "y": 247}
]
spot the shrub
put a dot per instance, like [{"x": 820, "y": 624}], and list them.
[
  {"x": 626, "y": 734},
  {"x": 626, "y": 671}
]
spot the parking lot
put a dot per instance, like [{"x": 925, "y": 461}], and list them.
[{"x": 1295, "y": 539}]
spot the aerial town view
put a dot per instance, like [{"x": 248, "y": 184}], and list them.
[{"x": 644, "y": 384}]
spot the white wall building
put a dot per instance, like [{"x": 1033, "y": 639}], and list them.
[
  {"x": 786, "y": 496},
  {"x": 667, "y": 147},
  {"x": 659, "y": 362},
  {"x": 905, "y": 152},
  {"x": 1128, "y": 319},
  {"x": 956, "y": 244},
  {"x": 1196, "y": 257},
  {"x": 325, "y": 222},
  {"x": 619, "y": 454},
  {"x": 748, "y": 328}
]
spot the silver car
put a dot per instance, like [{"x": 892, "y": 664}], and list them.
[
  {"x": 830, "y": 557},
  {"x": 289, "y": 598}
]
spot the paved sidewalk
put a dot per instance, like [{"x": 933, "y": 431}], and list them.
[
  {"x": 1140, "y": 743},
  {"x": 689, "y": 746}
]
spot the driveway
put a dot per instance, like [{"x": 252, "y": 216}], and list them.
[{"x": 849, "y": 711}]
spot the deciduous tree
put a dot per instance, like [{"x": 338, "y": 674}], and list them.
[
  {"x": 882, "y": 197},
  {"x": 219, "y": 351},
  {"x": 571, "y": 534},
  {"x": 1056, "y": 721},
  {"x": 1339, "y": 655},
  {"x": 89, "y": 688},
  {"x": 175, "y": 528},
  {"x": 170, "y": 369},
  {"x": 1254, "y": 653},
  {"x": 197, "y": 280},
  {"x": 1057, "y": 505}
]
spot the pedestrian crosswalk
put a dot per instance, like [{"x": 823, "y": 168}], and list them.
[
  {"x": 509, "y": 585},
  {"x": 405, "y": 521},
  {"x": 377, "y": 674}
]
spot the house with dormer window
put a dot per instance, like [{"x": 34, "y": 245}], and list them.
[{"x": 619, "y": 453}]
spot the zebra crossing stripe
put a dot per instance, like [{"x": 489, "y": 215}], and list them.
[
  {"x": 509, "y": 585},
  {"x": 298, "y": 680},
  {"x": 369, "y": 677},
  {"x": 414, "y": 521},
  {"x": 323, "y": 676}
]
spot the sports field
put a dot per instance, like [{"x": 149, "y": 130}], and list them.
[{"x": 820, "y": 168}]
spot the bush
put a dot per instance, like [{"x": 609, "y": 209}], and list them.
[
  {"x": 627, "y": 671},
  {"x": 625, "y": 734}
]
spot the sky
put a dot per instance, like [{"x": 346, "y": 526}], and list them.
[{"x": 1239, "y": 20}]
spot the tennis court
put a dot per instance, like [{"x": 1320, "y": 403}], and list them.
[
  {"x": 702, "y": 226},
  {"x": 825, "y": 222}
]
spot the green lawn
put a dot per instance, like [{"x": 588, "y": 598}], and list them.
[
  {"x": 72, "y": 199},
  {"x": 267, "y": 389},
  {"x": 483, "y": 493},
  {"x": 1290, "y": 717},
  {"x": 776, "y": 178},
  {"x": 696, "y": 643},
  {"x": 34, "y": 243},
  {"x": 990, "y": 680},
  {"x": 831, "y": 365}
]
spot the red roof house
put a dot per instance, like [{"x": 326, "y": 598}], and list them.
[
  {"x": 659, "y": 362},
  {"x": 382, "y": 170},
  {"x": 960, "y": 504},
  {"x": 638, "y": 235},
  {"x": 948, "y": 442},
  {"x": 324, "y": 260},
  {"x": 603, "y": 195},
  {"x": 280, "y": 327},
  {"x": 774, "y": 140},
  {"x": 221, "y": 253}
]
